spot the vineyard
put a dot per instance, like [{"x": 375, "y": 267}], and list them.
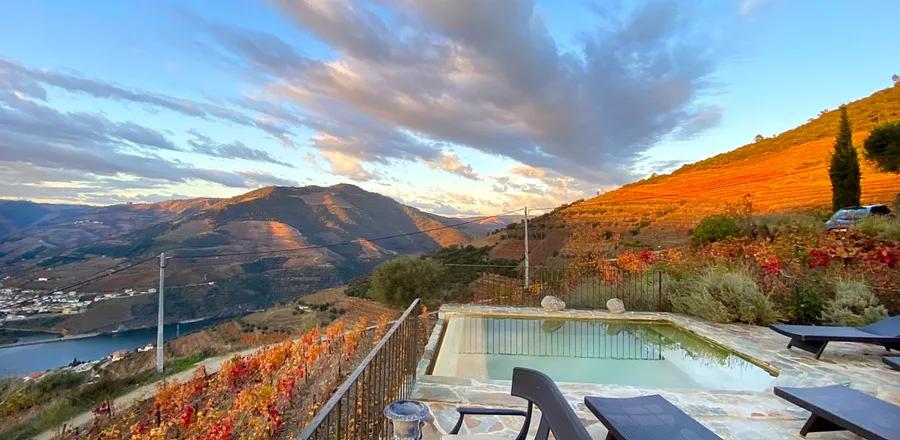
[
  {"x": 783, "y": 173},
  {"x": 270, "y": 394}
]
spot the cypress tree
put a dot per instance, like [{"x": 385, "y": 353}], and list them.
[{"x": 844, "y": 170}]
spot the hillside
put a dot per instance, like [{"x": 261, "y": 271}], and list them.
[
  {"x": 784, "y": 173},
  {"x": 31, "y": 231},
  {"x": 230, "y": 252}
]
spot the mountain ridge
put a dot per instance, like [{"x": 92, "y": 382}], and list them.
[{"x": 264, "y": 219}]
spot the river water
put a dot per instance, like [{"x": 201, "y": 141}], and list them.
[{"x": 56, "y": 353}]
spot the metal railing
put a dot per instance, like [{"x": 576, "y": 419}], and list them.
[
  {"x": 557, "y": 339},
  {"x": 581, "y": 287},
  {"x": 386, "y": 374}
]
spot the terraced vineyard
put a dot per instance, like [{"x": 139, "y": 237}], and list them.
[{"x": 785, "y": 173}]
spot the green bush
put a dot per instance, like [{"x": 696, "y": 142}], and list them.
[
  {"x": 808, "y": 303},
  {"x": 399, "y": 281},
  {"x": 880, "y": 226},
  {"x": 854, "y": 305},
  {"x": 35, "y": 392},
  {"x": 358, "y": 287},
  {"x": 715, "y": 228},
  {"x": 722, "y": 296}
]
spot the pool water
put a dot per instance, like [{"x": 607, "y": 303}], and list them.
[{"x": 654, "y": 355}]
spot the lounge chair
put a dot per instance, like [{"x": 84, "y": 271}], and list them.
[
  {"x": 813, "y": 338},
  {"x": 557, "y": 416},
  {"x": 646, "y": 418},
  {"x": 892, "y": 361},
  {"x": 838, "y": 408}
]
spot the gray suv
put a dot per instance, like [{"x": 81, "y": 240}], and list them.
[{"x": 846, "y": 217}]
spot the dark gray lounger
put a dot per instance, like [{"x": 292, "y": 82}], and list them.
[
  {"x": 838, "y": 408},
  {"x": 892, "y": 361},
  {"x": 557, "y": 416},
  {"x": 646, "y": 418},
  {"x": 814, "y": 338}
]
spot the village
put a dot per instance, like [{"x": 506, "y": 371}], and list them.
[{"x": 19, "y": 304}]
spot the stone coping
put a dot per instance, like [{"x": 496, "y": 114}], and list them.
[
  {"x": 731, "y": 414},
  {"x": 677, "y": 320}
]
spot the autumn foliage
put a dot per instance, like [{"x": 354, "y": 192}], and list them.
[{"x": 250, "y": 397}]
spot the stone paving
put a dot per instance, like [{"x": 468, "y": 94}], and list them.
[{"x": 731, "y": 414}]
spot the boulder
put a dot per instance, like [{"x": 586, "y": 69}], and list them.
[
  {"x": 615, "y": 305},
  {"x": 551, "y": 303}
]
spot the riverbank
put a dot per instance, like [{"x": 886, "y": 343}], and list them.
[
  {"x": 64, "y": 337},
  {"x": 27, "y": 357},
  {"x": 51, "y": 340},
  {"x": 75, "y": 407},
  {"x": 142, "y": 392}
]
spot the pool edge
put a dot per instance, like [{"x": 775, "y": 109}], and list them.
[{"x": 448, "y": 311}]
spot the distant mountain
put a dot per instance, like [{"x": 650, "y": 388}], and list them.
[
  {"x": 64, "y": 242},
  {"x": 321, "y": 236},
  {"x": 783, "y": 173},
  {"x": 31, "y": 231}
]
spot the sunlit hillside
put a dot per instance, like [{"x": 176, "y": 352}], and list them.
[{"x": 784, "y": 173}]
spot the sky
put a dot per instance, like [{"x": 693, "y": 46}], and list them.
[{"x": 457, "y": 107}]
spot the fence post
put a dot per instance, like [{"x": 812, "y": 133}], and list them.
[
  {"x": 527, "y": 280},
  {"x": 659, "y": 286}
]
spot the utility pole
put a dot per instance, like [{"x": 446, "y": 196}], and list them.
[
  {"x": 159, "y": 323},
  {"x": 526, "y": 249}
]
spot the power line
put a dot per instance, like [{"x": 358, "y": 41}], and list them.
[
  {"x": 107, "y": 272},
  {"x": 112, "y": 270},
  {"x": 345, "y": 243}
]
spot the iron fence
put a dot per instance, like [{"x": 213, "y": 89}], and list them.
[
  {"x": 558, "y": 339},
  {"x": 387, "y": 373},
  {"x": 580, "y": 286}
]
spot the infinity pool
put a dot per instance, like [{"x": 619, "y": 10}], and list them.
[{"x": 654, "y": 355}]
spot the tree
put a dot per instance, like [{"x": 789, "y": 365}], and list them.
[
  {"x": 715, "y": 228},
  {"x": 883, "y": 147},
  {"x": 758, "y": 138},
  {"x": 896, "y": 79},
  {"x": 401, "y": 280},
  {"x": 844, "y": 169}
]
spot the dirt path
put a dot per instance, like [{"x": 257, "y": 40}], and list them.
[{"x": 212, "y": 365}]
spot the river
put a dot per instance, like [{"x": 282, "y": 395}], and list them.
[{"x": 24, "y": 359}]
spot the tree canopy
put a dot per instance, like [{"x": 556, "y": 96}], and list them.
[
  {"x": 844, "y": 169},
  {"x": 883, "y": 147},
  {"x": 401, "y": 280}
]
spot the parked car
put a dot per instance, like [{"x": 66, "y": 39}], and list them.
[{"x": 847, "y": 217}]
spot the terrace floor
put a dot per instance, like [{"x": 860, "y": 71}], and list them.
[{"x": 731, "y": 414}]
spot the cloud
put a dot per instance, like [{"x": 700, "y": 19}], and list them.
[
  {"x": 32, "y": 81},
  {"x": 702, "y": 119},
  {"x": 140, "y": 135},
  {"x": 747, "y": 8},
  {"x": 346, "y": 165},
  {"x": 407, "y": 83},
  {"x": 527, "y": 171},
  {"x": 449, "y": 162},
  {"x": 35, "y": 134},
  {"x": 257, "y": 178},
  {"x": 235, "y": 150}
]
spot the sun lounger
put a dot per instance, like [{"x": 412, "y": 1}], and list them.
[
  {"x": 557, "y": 416},
  {"x": 839, "y": 408},
  {"x": 646, "y": 418},
  {"x": 892, "y": 361},
  {"x": 814, "y": 338}
]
